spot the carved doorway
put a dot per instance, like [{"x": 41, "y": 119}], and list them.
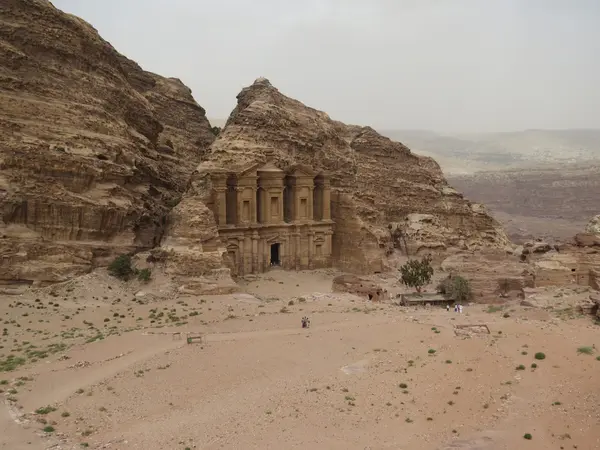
[{"x": 275, "y": 255}]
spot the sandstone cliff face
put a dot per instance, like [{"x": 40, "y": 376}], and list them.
[
  {"x": 94, "y": 151},
  {"x": 384, "y": 198}
]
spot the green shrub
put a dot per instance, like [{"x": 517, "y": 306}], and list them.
[
  {"x": 540, "y": 356},
  {"x": 145, "y": 275},
  {"x": 48, "y": 429},
  {"x": 456, "y": 288},
  {"x": 460, "y": 289},
  {"x": 121, "y": 267},
  {"x": 585, "y": 350},
  {"x": 45, "y": 410},
  {"x": 11, "y": 362},
  {"x": 416, "y": 274},
  {"x": 520, "y": 367},
  {"x": 528, "y": 436}
]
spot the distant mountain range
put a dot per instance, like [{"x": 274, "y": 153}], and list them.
[
  {"x": 465, "y": 153},
  {"x": 471, "y": 152}
]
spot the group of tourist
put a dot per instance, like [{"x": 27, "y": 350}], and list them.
[{"x": 457, "y": 308}]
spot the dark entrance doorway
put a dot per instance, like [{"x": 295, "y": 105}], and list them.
[{"x": 275, "y": 255}]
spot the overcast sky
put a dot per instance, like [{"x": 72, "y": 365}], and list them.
[{"x": 446, "y": 65}]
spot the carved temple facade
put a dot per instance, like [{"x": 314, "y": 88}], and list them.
[{"x": 271, "y": 218}]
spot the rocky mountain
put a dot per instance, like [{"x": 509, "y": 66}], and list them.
[
  {"x": 94, "y": 151},
  {"x": 540, "y": 201},
  {"x": 384, "y": 198},
  {"x": 466, "y": 153}
]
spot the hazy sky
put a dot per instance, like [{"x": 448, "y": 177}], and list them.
[{"x": 447, "y": 65}]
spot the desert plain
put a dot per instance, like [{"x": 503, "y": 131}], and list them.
[{"x": 99, "y": 362}]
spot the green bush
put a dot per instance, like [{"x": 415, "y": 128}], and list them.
[
  {"x": 461, "y": 289},
  {"x": 540, "y": 356},
  {"x": 416, "y": 274},
  {"x": 528, "y": 436},
  {"x": 585, "y": 350},
  {"x": 121, "y": 267},
  {"x": 145, "y": 275},
  {"x": 45, "y": 410},
  {"x": 456, "y": 288}
]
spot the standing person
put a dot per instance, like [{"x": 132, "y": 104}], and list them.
[
  {"x": 447, "y": 307},
  {"x": 460, "y": 309}
]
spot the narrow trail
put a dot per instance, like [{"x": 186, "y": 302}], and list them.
[{"x": 17, "y": 436}]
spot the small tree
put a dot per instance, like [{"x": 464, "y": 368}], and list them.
[
  {"x": 460, "y": 289},
  {"x": 215, "y": 130},
  {"x": 121, "y": 267},
  {"x": 456, "y": 288},
  {"x": 416, "y": 274}
]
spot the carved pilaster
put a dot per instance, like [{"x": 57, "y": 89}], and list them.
[
  {"x": 326, "y": 200},
  {"x": 253, "y": 207},
  {"x": 255, "y": 255},
  {"x": 310, "y": 203},
  {"x": 239, "y": 205},
  {"x": 311, "y": 235},
  {"x": 221, "y": 200}
]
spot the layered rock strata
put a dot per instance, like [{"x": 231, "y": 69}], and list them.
[
  {"x": 94, "y": 150},
  {"x": 383, "y": 197}
]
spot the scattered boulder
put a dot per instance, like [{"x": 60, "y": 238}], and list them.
[
  {"x": 587, "y": 240},
  {"x": 593, "y": 226},
  {"x": 536, "y": 247}
]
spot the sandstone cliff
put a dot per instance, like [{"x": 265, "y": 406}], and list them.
[
  {"x": 94, "y": 151},
  {"x": 384, "y": 198}
]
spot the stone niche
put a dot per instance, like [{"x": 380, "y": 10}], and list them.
[{"x": 268, "y": 218}]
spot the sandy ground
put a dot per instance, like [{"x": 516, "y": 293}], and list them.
[{"x": 103, "y": 369}]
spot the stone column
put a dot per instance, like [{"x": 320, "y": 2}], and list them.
[
  {"x": 239, "y": 205},
  {"x": 266, "y": 254},
  {"x": 310, "y": 249},
  {"x": 296, "y": 202},
  {"x": 253, "y": 206},
  {"x": 282, "y": 254},
  {"x": 248, "y": 247},
  {"x": 281, "y": 202},
  {"x": 310, "y": 214},
  {"x": 328, "y": 249},
  {"x": 297, "y": 254},
  {"x": 326, "y": 200},
  {"x": 255, "y": 267},
  {"x": 259, "y": 255},
  {"x": 266, "y": 206},
  {"x": 221, "y": 205},
  {"x": 240, "y": 259}
]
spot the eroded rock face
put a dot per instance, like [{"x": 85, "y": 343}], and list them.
[
  {"x": 593, "y": 226},
  {"x": 94, "y": 151},
  {"x": 384, "y": 198}
]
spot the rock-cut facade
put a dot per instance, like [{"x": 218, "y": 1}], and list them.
[{"x": 270, "y": 218}]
